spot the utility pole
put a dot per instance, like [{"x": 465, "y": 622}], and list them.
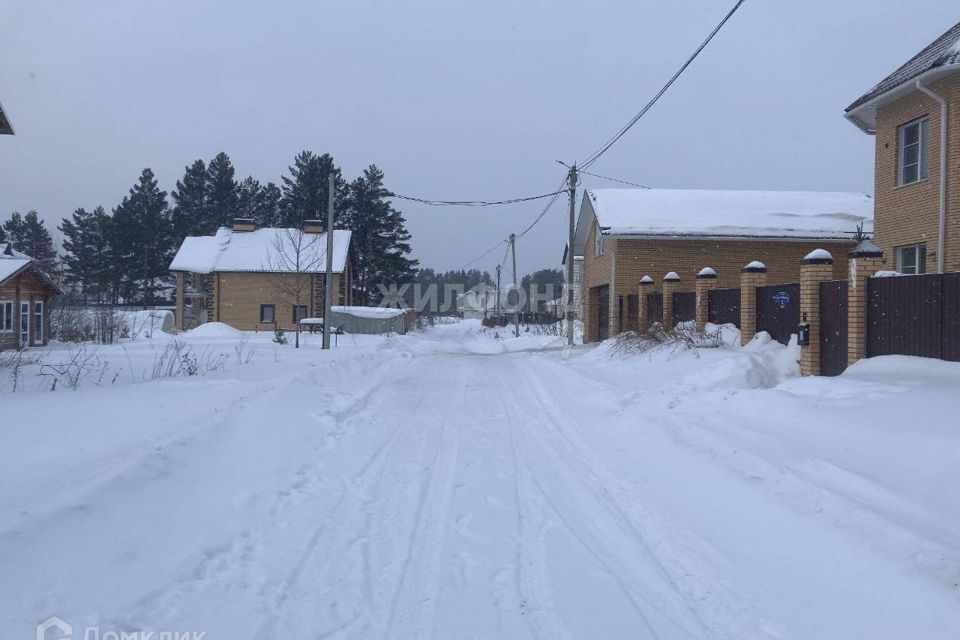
[
  {"x": 516, "y": 309},
  {"x": 498, "y": 291},
  {"x": 572, "y": 179},
  {"x": 328, "y": 279}
]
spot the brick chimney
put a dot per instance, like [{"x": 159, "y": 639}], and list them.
[
  {"x": 313, "y": 226},
  {"x": 244, "y": 224}
]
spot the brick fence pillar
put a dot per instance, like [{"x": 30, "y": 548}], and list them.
[
  {"x": 751, "y": 276},
  {"x": 643, "y": 311},
  {"x": 815, "y": 268},
  {"x": 865, "y": 260},
  {"x": 671, "y": 283},
  {"x": 706, "y": 282}
]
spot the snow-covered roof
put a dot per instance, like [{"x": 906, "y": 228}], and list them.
[
  {"x": 756, "y": 264},
  {"x": 11, "y": 262},
  {"x": 369, "y": 312},
  {"x": 940, "y": 57},
  {"x": 724, "y": 213},
  {"x": 707, "y": 271},
  {"x": 263, "y": 250}
]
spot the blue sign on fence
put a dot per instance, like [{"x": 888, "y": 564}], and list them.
[{"x": 782, "y": 298}]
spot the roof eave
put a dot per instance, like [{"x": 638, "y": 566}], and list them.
[{"x": 864, "y": 116}]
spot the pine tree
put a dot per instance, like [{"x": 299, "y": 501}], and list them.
[
  {"x": 381, "y": 242},
  {"x": 144, "y": 241},
  {"x": 222, "y": 197},
  {"x": 259, "y": 202},
  {"x": 89, "y": 253},
  {"x": 191, "y": 214},
  {"x": 305, "y": 189},
  {"x": 28, "y": 234}
]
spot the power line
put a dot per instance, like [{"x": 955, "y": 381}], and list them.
[
  {"x": 596, "y": 175},
  {"x": 545, "y": 209},
  {"x": 470, "y": 203},
  {"x": 482, "y": 255},
  {"x": 603, "y": 149}
]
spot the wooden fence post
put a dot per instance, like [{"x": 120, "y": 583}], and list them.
[
  {"x": 815, "y": 268},
  {"x": 706, "y": 282},
  {"x": 753, "y": 275},
  {"x": 864, "y": 261},
  {"x": 671, "y": 283}
]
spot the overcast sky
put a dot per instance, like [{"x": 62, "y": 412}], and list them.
[{"x": 453, "y": 100}]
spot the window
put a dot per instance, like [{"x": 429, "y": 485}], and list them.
[
  {"x": 267, "y": 313},
  {"x": 912, "y": 163},
  {"x": 299, "y": 312},
  {"x": 598, "y": 242},
  {"x": 38, "y": 323},
  {"x": 6, "y": 316},
  {"x": 912, "y": 259}
]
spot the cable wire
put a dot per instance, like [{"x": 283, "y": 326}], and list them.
[
  {"x": 545, "y": 209},
  {"x": 470, "y": 203},
  {"x": 597, "y": 175},
  {"x": 603, "y": 149},
  {"x": 482, "y": 255}
]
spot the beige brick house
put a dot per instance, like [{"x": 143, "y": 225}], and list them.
[
  {"x": 626, "y": 234},
  {"x": 914, "y": 114},
  {"x": 25, "y": 295},
  {"x": 259, "y": 279}
]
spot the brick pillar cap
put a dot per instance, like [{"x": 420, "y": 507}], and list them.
[
  {"x": 646, "y": 280},
  {"x": 671, "y": 277},
  {"x": 707, "y": 272},
  {"x": 755, "y": 267},
  {"x": 818, "y": 256},
  {"x": 866, "y": 249}
]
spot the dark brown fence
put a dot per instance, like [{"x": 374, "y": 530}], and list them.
[
  {"x": 914, "y": 316},
  {"x": 603, "y": 312},
  {"x": 630, "y": 321},
  {"x": 684, "y": 306},
  {"x": 654, "y": 307},
  {"x": 778, "y": 310},
  {"x": 723, "y": 306},
  {"x": 833, "y": 327}
]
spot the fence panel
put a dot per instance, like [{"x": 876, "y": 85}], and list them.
[
  {"x": 723, "y": 306},
  {"x": 833, "y": 327},
  {"x": 684, "y": 306},
  {"x": 603, "y": 313},
  {"x": 654, "y": 307},
  {"x": 904, "y": 316},
  {"x": 950, "y": 314},
  {"x": 778, "y": 310}
]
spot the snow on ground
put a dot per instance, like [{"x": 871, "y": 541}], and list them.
[{"x": 462, "y": 483}]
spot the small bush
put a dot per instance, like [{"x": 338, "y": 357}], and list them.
[
  {"x": 279, "y": 336},
  {"x": 683, "y": 337}
]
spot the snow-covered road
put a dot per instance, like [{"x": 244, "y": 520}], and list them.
[{"x": 416, "y": 489}]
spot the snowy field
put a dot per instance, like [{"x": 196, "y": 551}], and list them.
[{"x": 454, "y": 484}]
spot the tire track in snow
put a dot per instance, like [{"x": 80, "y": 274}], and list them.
[{"x": 603, "y": 526}]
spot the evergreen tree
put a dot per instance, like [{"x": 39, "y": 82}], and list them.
[
  {"x": 305, "y": 189},
  {"x": 222, "y": 198},
  {"x": 191, "y": 214},
  {"x": 89, "y": 253},
  {"x": 29, "y": 235},
  {"x": 143, "y": 234},
  {"x": 259, "y": 202},
  {"x": 381, "y": 242},
  {"x": 3, "y": 235}
]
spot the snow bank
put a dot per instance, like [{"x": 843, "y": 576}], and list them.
[{"x": 214, "y": 330}]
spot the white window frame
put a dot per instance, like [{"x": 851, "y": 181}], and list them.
[
  {"x": 598, "y": 242},
  {"x": 923, "y": 144},
  {"x": 23, "y": 332},
  {"x": 38, "y": 321},
  {"x": 6, "y": 316},
  {"x": 918, "y": 266}
]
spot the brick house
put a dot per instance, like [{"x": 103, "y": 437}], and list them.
[
  {"x": 913, "y": 114},
  {"x": 25, "y": 295},
  {"x": 259, "y": 279},
  {"x": 626, "y": 234}
]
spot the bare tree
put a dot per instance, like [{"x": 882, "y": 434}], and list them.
[{"x": 294, "y": 257}]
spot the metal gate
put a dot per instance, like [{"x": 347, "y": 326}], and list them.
[
  {"x": 778, "y": 310},
  {"x": 723, "y": 306},
  {"x": 833, "y": 327},
  {"x": 630, "y": 321},
  {"x": 603, "y": 312},
  {"x": 684, "y": 306},
  {"x": 914, "y": 316},
  {"x": 654, "y": 307}
]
